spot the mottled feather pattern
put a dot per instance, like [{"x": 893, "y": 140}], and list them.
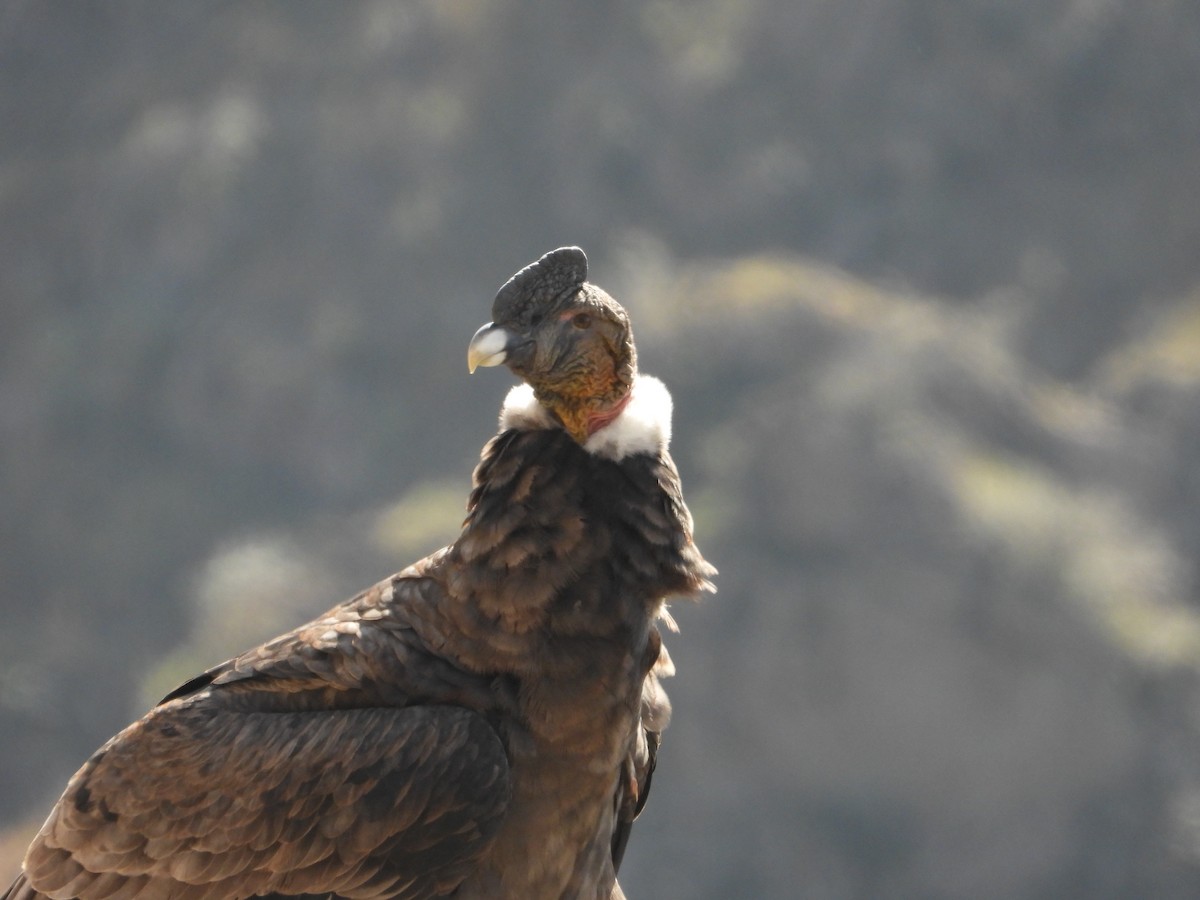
[{"x": 288, "y": 808}]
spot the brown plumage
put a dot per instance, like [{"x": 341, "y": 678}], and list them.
[{"x": 482, "y": 724}]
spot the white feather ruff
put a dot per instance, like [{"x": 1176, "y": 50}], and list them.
[{"x": 643, "y": 426}]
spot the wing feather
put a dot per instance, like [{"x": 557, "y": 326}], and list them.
[{"x": 198, "y": 801}]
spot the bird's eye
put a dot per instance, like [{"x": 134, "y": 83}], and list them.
[
  {"x": 581, "y": 320},
  {"x": 535, "y": 319}
]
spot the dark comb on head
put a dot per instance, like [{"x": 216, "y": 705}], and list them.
[{"x": 540, "y": 284}]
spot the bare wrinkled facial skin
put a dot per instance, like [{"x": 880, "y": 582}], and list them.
[
  {"x": 579, "y": 350},
  {"x": 567, "y": 338}
]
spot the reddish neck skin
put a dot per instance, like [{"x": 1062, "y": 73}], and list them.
[{"x": 598, "y": 420}]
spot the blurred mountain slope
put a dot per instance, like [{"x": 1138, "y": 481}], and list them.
[{"x": 956, "y": 615}]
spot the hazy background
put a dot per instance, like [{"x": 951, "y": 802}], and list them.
[{"x": 923, "y": 276}]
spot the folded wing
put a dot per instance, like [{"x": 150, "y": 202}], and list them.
[{"x": 198, "y": 801}]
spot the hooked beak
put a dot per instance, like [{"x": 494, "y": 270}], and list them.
[{"x": 489, "y": 347}]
